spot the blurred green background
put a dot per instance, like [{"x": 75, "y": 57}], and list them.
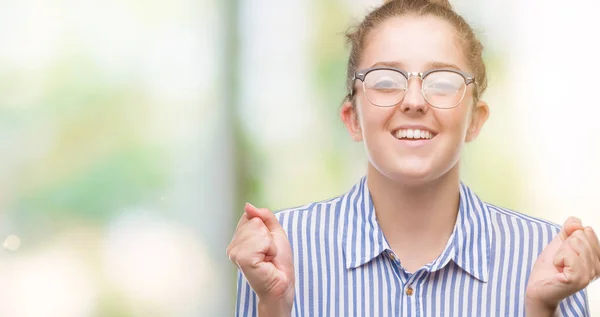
[{"x": 132, "y": 132}]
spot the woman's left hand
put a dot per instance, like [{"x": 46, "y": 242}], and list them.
[{"x": 568, "y": 264}]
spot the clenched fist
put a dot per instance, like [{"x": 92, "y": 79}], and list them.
[
  {"x": 261, "y": 250},
  {"x": 568, "y": 264}
]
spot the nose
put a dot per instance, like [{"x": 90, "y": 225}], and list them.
[{"x": 413, "y": 101}]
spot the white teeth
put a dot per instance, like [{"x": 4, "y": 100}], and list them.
[{"x": 413, "y": 134}]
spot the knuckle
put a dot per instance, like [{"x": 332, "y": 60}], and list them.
[
  {"x": 232, "y": 251},
  {"x": 232, "y": 254},
  {"x": 263, "y": 242},
  {"x": 245, "y": 253},
  {"x": 265, "y": 232},
  {"x": 577, "y": 240},
  {"x": 261, "y": 231},
  {"x": 255, "y": 220},
  {"x": 243, "y": 259},
  {"x": 592, "y": 234},
  {"x": 243, "y": 262}
]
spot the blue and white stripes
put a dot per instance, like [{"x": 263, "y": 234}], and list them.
[{"x": 345, "y": 267}]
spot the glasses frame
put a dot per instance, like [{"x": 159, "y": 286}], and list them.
[{"x": 361, "y": 75}]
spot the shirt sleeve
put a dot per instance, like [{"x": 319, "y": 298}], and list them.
[
  {"x": 246, "y": 302},
  {"x": 575, "y": 305}
]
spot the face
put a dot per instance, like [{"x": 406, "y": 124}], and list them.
[{"x": 414, "y": 44}]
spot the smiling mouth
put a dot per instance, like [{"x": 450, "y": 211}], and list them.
[{"x": 413, "y": 134}]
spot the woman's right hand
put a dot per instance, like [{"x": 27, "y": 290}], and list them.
[{"x": 261, "y": 250}]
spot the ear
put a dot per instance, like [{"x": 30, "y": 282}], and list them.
[
  {"x": 350, "y": 117},
  {"x": 480, "y": 114}
]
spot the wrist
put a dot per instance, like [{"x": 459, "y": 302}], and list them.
[
  {"x": 274, "y": 308},
  {"x": 535, "y": 308}
]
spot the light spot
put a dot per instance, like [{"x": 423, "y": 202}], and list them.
[{"x": 12, "y": 243}]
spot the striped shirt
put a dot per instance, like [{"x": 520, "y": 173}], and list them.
[{"x": 345, "y": 267}]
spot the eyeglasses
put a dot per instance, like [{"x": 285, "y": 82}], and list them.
[{"x": 387, "y": 86}]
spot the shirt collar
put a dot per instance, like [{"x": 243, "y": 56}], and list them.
[{"x": 468, "y": 246}]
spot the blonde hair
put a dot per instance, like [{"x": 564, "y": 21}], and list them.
[{"x": 472, "y": 47}]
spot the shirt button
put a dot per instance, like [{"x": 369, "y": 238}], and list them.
[
  {"x": 409, "y": 291},
  {"x": 393, "y": 257}
]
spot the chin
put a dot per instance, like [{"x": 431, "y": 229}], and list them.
[
  {"x": 412, "y": 178},
  {"x": 412, "y": 170},
  {"x": 407, "y": 174}
]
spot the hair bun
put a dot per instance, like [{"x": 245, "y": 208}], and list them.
[{"x": 442, "y": 3}]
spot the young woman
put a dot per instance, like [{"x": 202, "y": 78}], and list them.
[{"x": 410, "y": 239}]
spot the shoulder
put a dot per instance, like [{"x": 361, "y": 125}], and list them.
[
  {"x": 515, "y": 217},
  {"x": 505, "y": 221},
  {"x": 516, "y": 225},
  {"x": 320, "y": 211},
  {"x": 323, "y": 219}
]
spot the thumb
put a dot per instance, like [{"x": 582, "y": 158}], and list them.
[
  {"x": 266, "y": 216},
  {"x": 571, "y": 225}
]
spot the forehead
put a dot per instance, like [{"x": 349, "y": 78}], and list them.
[{"x": 414, "y": 42}]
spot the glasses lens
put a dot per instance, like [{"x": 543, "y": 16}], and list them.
[
  {"x": 444, "y": 89},
  {"x": 385, "y": 88}
]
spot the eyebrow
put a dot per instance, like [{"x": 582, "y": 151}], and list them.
[{"x": 398, "y": 64}]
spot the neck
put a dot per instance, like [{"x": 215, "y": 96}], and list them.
[{"x": 417, "y": 220}]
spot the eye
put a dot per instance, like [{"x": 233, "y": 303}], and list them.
[
  {"x": 443, "y": 86},
  {"x": 443, "y": 83},
  {"x": 386, "y": 83},
  {"x": 383, "y": 80}
]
